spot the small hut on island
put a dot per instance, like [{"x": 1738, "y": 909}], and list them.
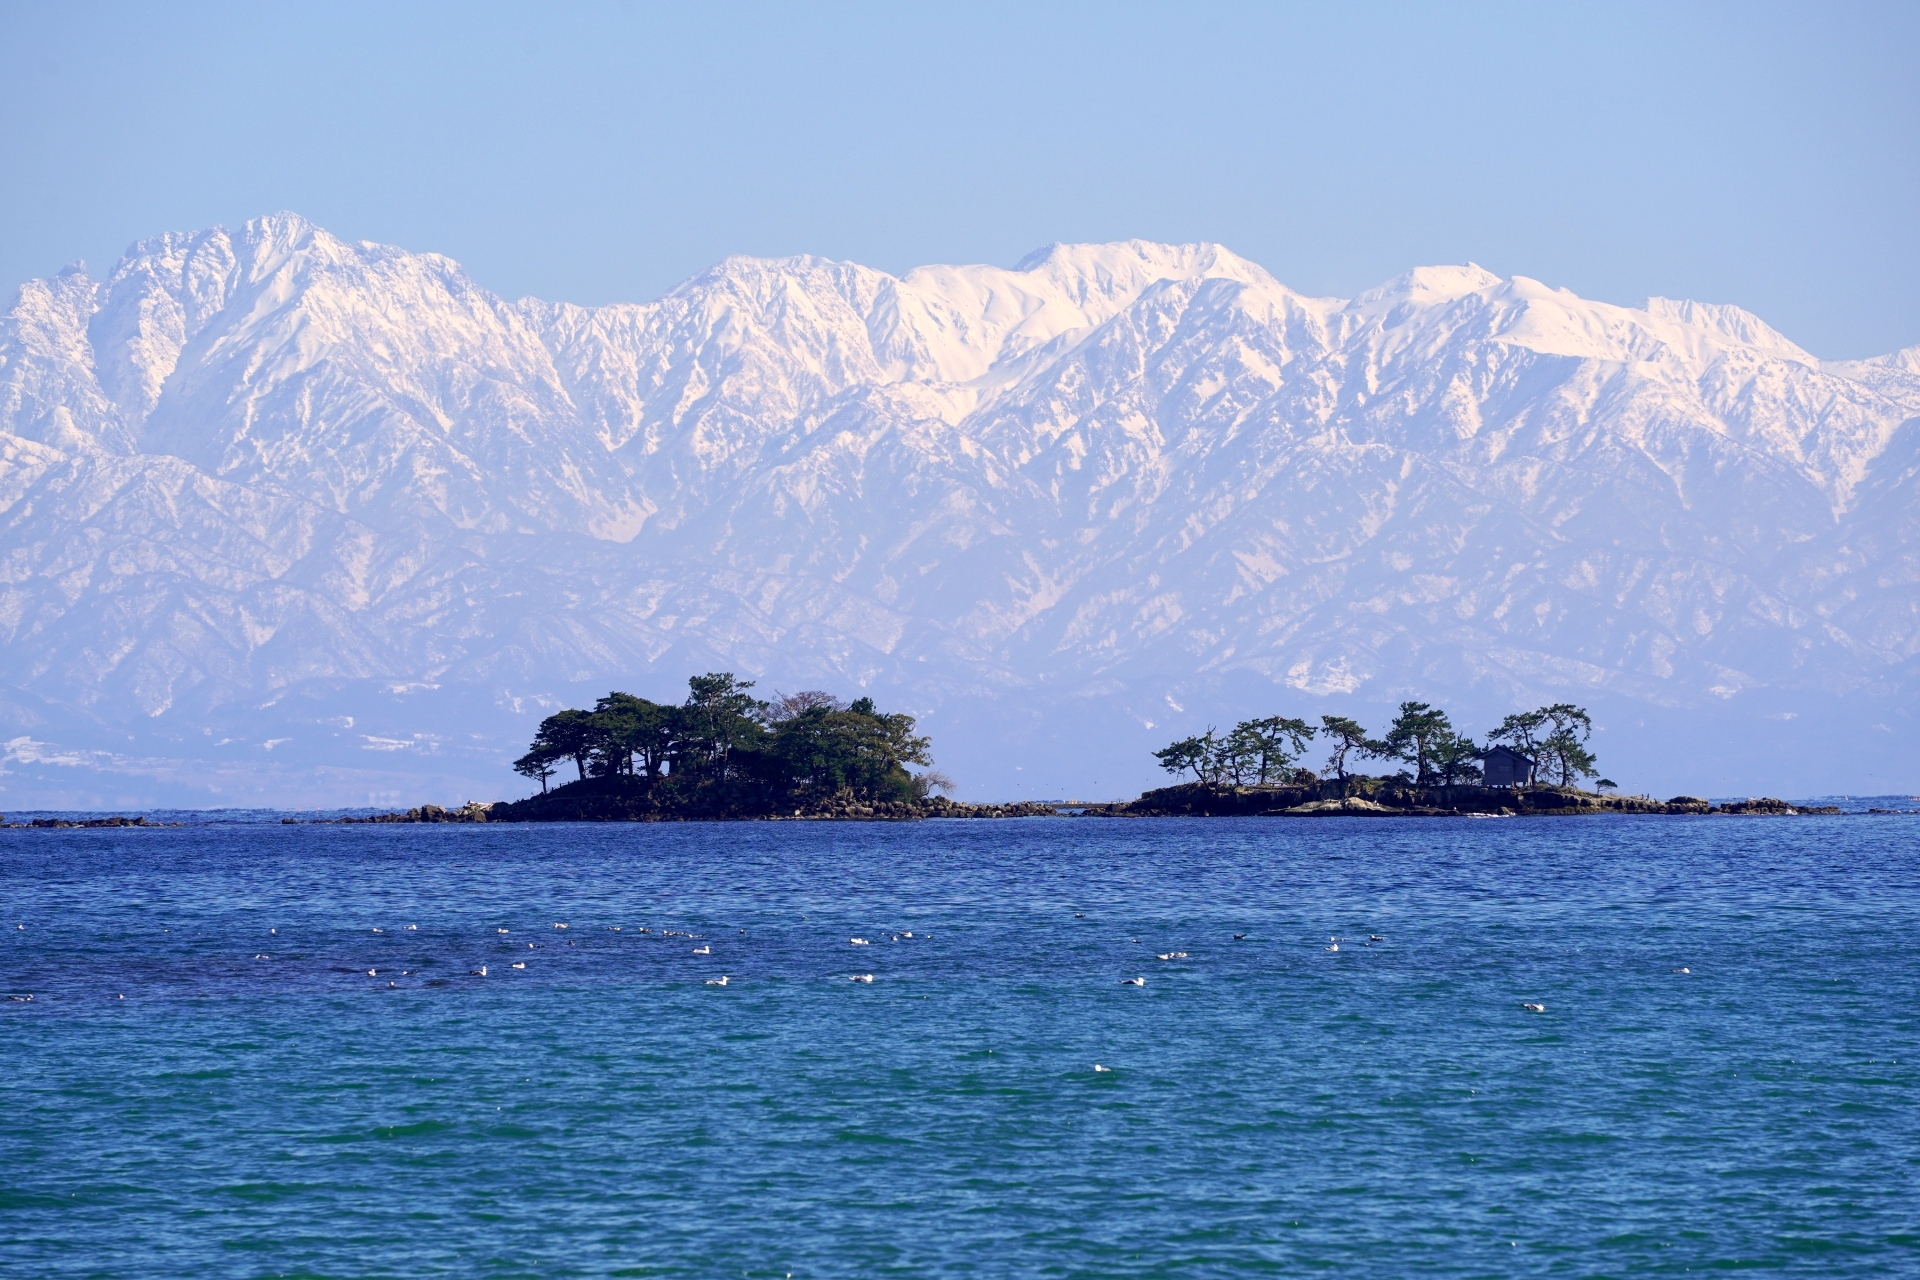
[{"x": 1506, "y": 767}]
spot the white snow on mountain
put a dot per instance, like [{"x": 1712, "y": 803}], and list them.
[{"x": 253, "y": 483}]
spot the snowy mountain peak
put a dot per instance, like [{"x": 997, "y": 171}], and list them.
[
  {"x": 1730, "y": 323},
  {"x": 258, "y": 461}
]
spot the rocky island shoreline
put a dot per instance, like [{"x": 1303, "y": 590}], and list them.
[{"x": 1366, "y": 798}]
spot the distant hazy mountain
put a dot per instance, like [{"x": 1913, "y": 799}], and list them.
[{"x": 267, "y": 487}]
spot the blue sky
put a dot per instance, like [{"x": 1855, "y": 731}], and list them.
[{"x": 1757, "y": 154}]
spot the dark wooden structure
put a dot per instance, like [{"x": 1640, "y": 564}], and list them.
[{"x": 1506, "y": 767}]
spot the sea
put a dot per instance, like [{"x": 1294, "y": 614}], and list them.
[{"x": 1601, "y": 1046}]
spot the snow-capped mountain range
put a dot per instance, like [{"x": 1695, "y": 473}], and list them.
[{"x": 271, "y": 487}]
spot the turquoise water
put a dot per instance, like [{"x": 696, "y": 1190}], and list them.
[{"x": 1273, "y": 1107}]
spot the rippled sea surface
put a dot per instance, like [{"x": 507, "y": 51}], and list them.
[{"x": 263, "y": 1050}]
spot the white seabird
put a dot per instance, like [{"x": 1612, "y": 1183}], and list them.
[
  {"x": 519, "y": 964},
  {"x": 481, "y": 972},
  {"x": 1133, "y": 982},
  {"x": 860, "y": 977},
  {"x": 858, "y": 942},
  {"x": 720, "y": 981},
  {"x": 703, "y": 951},
  {"x": 1533, "y": 1007}
]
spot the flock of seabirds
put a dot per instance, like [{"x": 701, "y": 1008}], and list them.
[{"x": 706, "y": 949}]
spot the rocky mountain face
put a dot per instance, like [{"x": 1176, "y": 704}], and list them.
[{"x": 274, "y": 506}]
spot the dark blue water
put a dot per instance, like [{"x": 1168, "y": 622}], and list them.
[{"x": 258, "y": 1104}]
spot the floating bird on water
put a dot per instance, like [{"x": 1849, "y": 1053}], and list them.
[
  {"x": 860, "y": 977},
  {"x": 373, "y": 973},
  {"x": 1374, "y": 937},
  {"x": 500, "y": 931},
  {"x": 1171, "y": 955},
  {"x": 481, "y": 972},
  {"x": 1079, "y": 915},
  {"x": 558, "y": 925},
  {"x": 720, "y": 981},
  {"x": 1133, "y": 982},
  {"x": 1531, "y": 1007},
  {"x": 1239, "y": 937},
  {"x": 1683, "y": 969},
  {"x": 1098, "y": 1067},
  {"x": 413, "y": 926},
  {"x": 379, "y": 930},
  {"x": 1334, "y": 947},
  {"x": 703, "y": 951},
  {"x": 261, "y": 955},
  {"x": 859, "y": 942},
  {"x": 21, "y": 999}
]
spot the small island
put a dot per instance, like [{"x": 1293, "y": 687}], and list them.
[{"x": 723, "y": 754}]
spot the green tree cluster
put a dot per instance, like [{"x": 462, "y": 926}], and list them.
[
  {"x": 723, "y": 741},
  {"x": 1421, "y": 737},
  {"x": 1255, "y": 752},
  {"x": 1555, "y": 737}
]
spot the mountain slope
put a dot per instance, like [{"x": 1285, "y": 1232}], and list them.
[{"x": 268, "y": 478}]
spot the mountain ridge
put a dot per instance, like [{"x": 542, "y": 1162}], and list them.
[{"x": 250, "y": 469}]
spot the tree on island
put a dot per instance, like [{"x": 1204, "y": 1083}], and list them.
[
  {"x": 1202, "y": 755},
  {"x": 1415, "y": 736},
  {"x": 1255, "y": 752},
  {"x": 725, "y": 750},
  {"x": 1265, "y": 751},
  {"x": 1555, "y": 738},
  {"x": 1348, "y": 738},
  {"x": 1421, "y": 735},
  {"x": 1456, "y": 759},
  {"x": 824, "y": 748},
  {"x": 537, "y": 763}
]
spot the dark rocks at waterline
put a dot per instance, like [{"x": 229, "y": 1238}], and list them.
[
  {"x": 1391, "y": 797},
  {"x": 628, "y": 799}
]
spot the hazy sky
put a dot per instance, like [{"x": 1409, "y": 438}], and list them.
[{"x": 1763, "y": 155}]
